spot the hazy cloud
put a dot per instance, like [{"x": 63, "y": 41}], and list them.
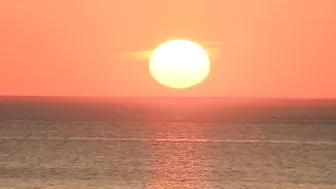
[{"x": 213, "y": 49}]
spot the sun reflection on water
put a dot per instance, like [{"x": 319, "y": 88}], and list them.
[{"x": 177, "y": 164}]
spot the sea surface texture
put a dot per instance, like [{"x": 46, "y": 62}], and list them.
[{"x": 159, "y": 143}]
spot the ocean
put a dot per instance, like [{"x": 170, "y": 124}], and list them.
[{"x": 159, "y": 143}]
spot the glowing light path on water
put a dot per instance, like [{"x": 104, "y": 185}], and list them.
[{"x": 307, "y": 142}]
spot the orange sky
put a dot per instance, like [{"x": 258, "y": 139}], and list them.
[{"x": 270, "y": 48}]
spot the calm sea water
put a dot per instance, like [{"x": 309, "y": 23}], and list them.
[{"x": 163, "y": 143}]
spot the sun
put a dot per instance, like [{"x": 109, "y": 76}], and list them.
[{"x": 179, "y": 64}]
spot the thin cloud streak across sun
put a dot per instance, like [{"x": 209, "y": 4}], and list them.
[{"x": 213, "y": 49}]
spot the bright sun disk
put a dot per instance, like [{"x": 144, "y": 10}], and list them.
[{"x": 179, "y": 64}]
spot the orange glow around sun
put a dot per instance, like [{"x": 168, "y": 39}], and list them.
[{"x": 179, "y": 64}]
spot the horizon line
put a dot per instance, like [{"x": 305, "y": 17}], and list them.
[{"x": 167, "y": 97}]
